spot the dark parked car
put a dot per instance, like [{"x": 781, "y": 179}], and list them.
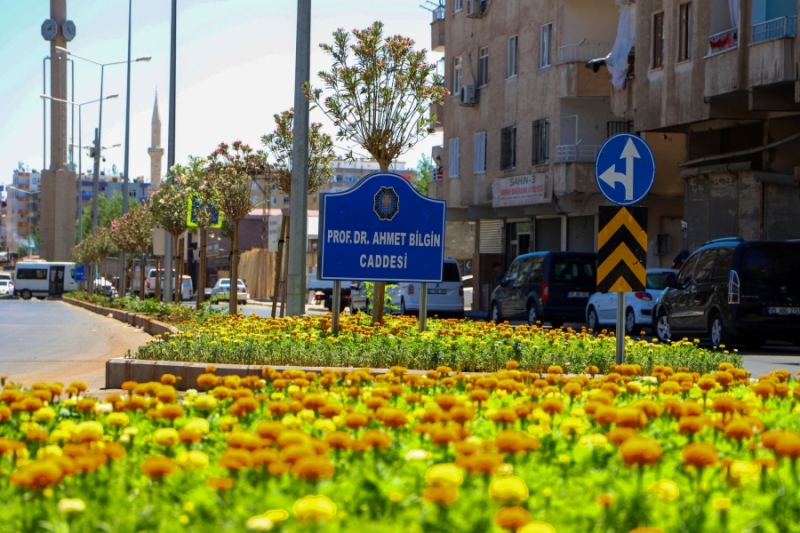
[
  {"x": 546, "y": 286},
  {"x": 734, "y": 291}
]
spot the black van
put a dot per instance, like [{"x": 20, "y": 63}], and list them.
[
  {"x": 734, "y": 291},
  {"x": 546, "y": 286}
]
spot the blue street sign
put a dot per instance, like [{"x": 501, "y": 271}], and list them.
[
  {"x": 625, "y": 169},
  {"x": 80, "y": 274},
  {"x": 382, "y": 229}
]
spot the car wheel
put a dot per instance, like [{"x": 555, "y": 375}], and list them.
[
  {"x": 26, "y": 294},
  {"x": 533, "y": 314},
  {"x": 496, "y": 316},
  {"x": 663, "y": 330},
  {"x": 591, "y": 318},
  {"x": 717, "y": 333},
  {"x": 630, "y": 322}
]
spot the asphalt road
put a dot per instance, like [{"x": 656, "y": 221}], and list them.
[{"x": 55, "y": 341}]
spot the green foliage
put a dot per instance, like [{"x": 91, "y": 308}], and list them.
[
  {"x": 108, "y": 209},
  {"x": 378, "y": 91},
  {"x": 424, "y": 170}
]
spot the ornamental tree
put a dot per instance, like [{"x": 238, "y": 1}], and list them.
[
  {"x": 131, "y": 234},
  {"x": 279, "y": 151},
  {"x": 378, "y": 91},
  {"x": 230, "y": 175}
]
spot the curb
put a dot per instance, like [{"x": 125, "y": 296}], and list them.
[
  {"x": 120, "y": 370},
  {"x": 149, "y": 325}
]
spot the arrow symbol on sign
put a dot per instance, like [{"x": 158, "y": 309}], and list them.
[{"x": 612, "y": 177}]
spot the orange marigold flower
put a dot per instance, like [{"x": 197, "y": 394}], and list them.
[
  {"x": 38, "y": 475},
  {"x": 329, "y": 410},
  {"x": 265, "y": 456},
  {"x": 640, "y": 451},
  {"x": 375, "y": 438},
  {"x": 572, "y": 389},
  {"x": 220, "y": 483},
  {"x": 294, "y": 452},
  {"x": 512, "y": 518},
  {"x": 669, "y": 387},
  {"x": 769, "y": 438},
  {"x": 479, "y": 395},
  {"x": 724, "y": 403},
  {"x": 270, "y": 429},
  {"x": 278, "y": 468},
  {"x": 764, "y": 389},
  {"x": 605, "y": 500},
  {"x": 673, "y": 407},
  {"x": 647, "y": 530},
  {"x": 244, "y": 439},
  {"x": 442, "y": 495},
  {"x": 167, "y": 394},
  {"x": 356, "y": 420},
  {"x": 374, "y": 402},
  {"x": 555, "y": 369},
  {"x": 692, "y": 408},
  {"x": 207, "y": 381},
  {"x": 243, "y": 406},
  {"x": 80, "y": 386},
  {"x": 699, "y": 454},
  {"x": 444, "y": 435},
  {"x": 171, "y": 411},
  {"x": 313, "y": 468},
  {"x": 739, "y": 429},
  {"x": 787, "y": 444},
  {"x": 464, "y": 414},
  {"x": 630, "y": 416},
  {"x": 446, "y": 400},
  {"x": 128, "y": 385},
  {"x": 292, "y": 436},
  {"x": 235, "y": 459},
  {"x": 468, "y": 447},
  {"x": 392, "y": 417},
  {"x": 339, "y": 440},
  {"x": 691, "y": 424},
  {"x": 480, "y": 462},
  {"x": 158, "y": 466},
  {"x": 515, "y": 441},
  {"x": 504, "y": 415},
  {"x": 552, "y": 406},
  {"x": 413, "y": 398},
  {"x": 604, "y": 414}
]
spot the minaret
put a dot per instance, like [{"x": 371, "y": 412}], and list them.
[{"x": 155, "y": 150}]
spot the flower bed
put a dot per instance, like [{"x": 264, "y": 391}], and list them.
[
  {"x": 463, "y": 345},
  {"x": 345, "y": 451}
]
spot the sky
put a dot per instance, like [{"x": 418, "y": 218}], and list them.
[{"x": 235, "y": 70}]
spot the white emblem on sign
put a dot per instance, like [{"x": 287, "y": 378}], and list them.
[{"x": 612, "y": 177}]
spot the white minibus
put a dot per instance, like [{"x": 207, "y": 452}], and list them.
[{"x": 42, "y": 279}]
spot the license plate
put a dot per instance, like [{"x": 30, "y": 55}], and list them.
[
  {"x": 783, "y": 310},
  {"x": 437, "y": 291},
  {"x": 577, "y": 294}
]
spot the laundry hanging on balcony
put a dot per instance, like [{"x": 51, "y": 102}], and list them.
[{"x": 617, "y": 60}]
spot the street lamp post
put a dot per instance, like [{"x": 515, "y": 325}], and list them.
[
  {"x": 80, "y": 150},
  {"x": 98, "y": 131}
]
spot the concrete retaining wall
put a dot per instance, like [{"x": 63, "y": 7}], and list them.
[{"x": 149, "y": 325}]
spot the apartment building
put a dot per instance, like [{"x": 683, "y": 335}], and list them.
[
  {"x": 22, "y": 207},
  {"x": 720, "y": 77},
  {"x": 523, "y": 124}
]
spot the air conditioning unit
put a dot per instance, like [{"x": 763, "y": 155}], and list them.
[
  {"x": 476, "y": 8},
  {"x": 468, "y": 95}
]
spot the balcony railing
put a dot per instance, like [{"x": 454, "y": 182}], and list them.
[
  {"x": 582, "y": 52},
  {"x": 778, "y": 28},
  {"x": 581, "y": 153},
  {"x": 723, "y": 41}
]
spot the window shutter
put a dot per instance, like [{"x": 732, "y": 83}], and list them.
[
  {"x": 480, "y": 153},
  {"x": 491, "y": 236},
  {"x": 453, "y": 160}
]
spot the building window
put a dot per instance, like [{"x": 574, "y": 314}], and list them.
[
  {"x": 479, "y": 162},
  {"x": 458, "y": 5},
  {"x": 457, "y": 76},
  {"x": 511, "y": 57},
  {"x": 453, "y": 158},
  {"x": 544, "y": 45},
  {"x": 685, "y": 32},
  {"x": 508, "y": 148},
  {"x": 483, "y": 66},
  {"x": 541, "y": 142},
  {"x": 658, "y": 40}
]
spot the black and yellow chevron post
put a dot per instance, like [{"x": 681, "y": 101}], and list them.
[{"x": 622, "y": 249}]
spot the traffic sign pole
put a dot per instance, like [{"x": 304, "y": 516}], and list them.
[
  {"x": 423, "y": 307},
  {"x": 336, "y": 306},
  {"x": 620, "y": 328}
]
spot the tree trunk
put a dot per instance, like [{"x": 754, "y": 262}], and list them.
[
  {"x": 179, "y": 269},
  {"x": 278, "y": 268},
  {"x": 285, "y": 289},
  {"x": 234, "y": 292},
  {"x": 380, "y": 287},
  {"x": 201, "y": 269},
  {"x": 141, "y": 280}
]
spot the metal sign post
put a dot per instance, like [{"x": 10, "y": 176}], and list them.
[
  {"x": 423, "y": 307},
  {"x": 336, "y": 305},
  {"x": 620, "y": 356}
]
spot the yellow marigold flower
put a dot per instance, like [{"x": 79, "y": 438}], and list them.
[
  {"x": 71, "y": 505},
  {"x": 572, "y": 426},
  {"x": 198, "y": 425},
  {"x": 314, "y": 508},
  {"x": 440, "y": 495},
  {"x": 512, "y": 518},
  {"x": 259, "y": 523},
  {"x": 49, "y": 451},
  {"x": 418, "y": 455},
  {"x": 537, "y": 527},
  {"x": 593, "y": 439},
  {"x": 166, "y": 437},
  {"x": 605, "y": 500},
  {"x": 665, "y": 490},
  {"x": 89, "y": 431},
  {"x": 511, "y": 489},
  {"x": 277, "y": 515},
  {"x": 743, "y": 472},
  {"x": 119, "y": 420},
  {"x": 205, "y": 402},
  {"x": 721, "y": 504},
  {"x": 192, "y": 459},
  {"x": 444, "y": 475},
  {"x": 44, "y": 414}
]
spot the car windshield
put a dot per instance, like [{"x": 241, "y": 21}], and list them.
[
  {"x": 451, "y": 273},
  {"x": 657, "y": 281},
  {"x": 3, "y": 282}
]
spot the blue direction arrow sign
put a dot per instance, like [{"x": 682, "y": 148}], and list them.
[
  {"x": 382, "y": 229},
  {"x": 625, "y": 169}
]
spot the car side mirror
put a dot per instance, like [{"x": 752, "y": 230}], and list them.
[{"x": 671, "y": 281}]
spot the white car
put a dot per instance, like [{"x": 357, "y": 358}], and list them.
[
  {"x": 601, "y": 310},
  {"x": 446, "y": 297},
  {"x": 6, "y": 287},
  {"x": 223, "y": 286}
]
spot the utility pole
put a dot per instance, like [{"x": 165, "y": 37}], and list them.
[
  {"x": 298, "y": 234},
  {"x": 123, "y": 272}
]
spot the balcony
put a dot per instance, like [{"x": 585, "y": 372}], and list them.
[
  {"x": 437, "y": 29},
  {"x": 723, "y": 41},
  {"x": 580, "y": 153},
  {"x": 438, "y": 111},
  {"x": 582, "y": 52},
  {"x": 779, "y": 28}
]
